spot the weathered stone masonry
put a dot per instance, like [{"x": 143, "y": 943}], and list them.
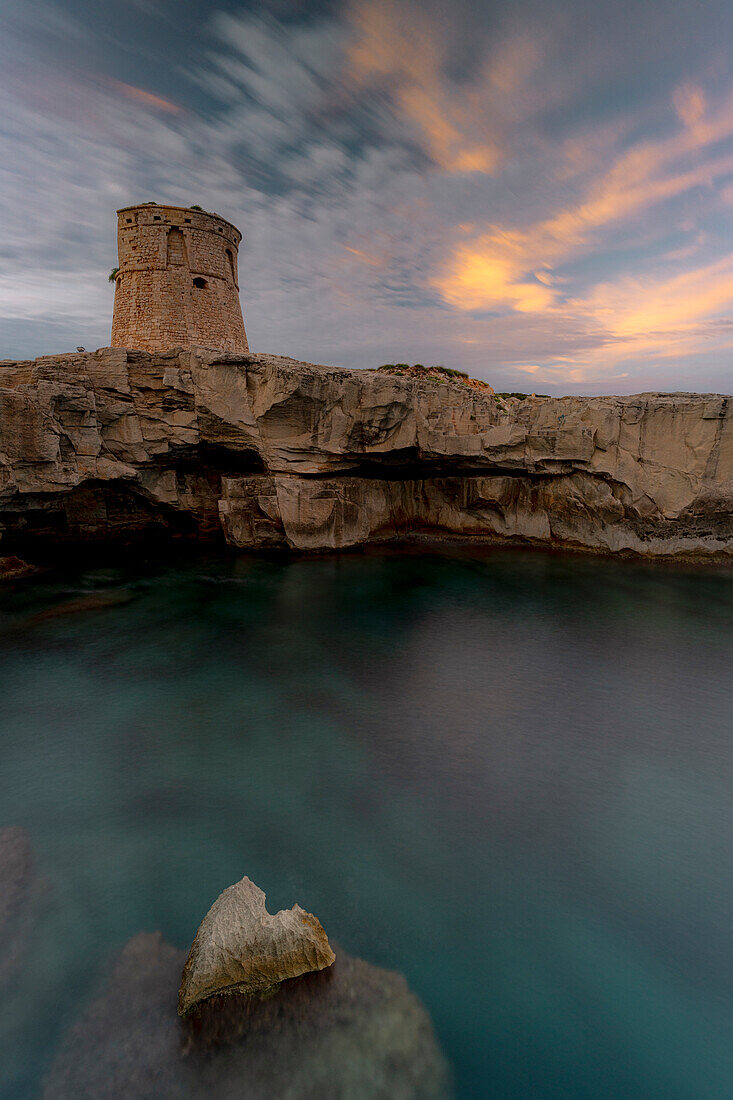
[{"x": 177, "y": 284}]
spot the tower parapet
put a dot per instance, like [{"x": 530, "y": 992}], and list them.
[{"x": 177, "y": 282}]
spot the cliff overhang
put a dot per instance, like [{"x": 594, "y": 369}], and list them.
[{"x": 267, "y": 452}]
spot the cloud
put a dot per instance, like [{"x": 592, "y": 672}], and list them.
[
  {"x": 398, "y": 50},
  {"x": 411, "y": 184},
  {"x": 392, "y": 50},
  {"x": 647, "y": 309},
  {"x": 493, "y": 269},
  {"x": 690, "y": 104},
  {"x": 148, "y": 99},
  {"x": 636, "y": 324},
  {"x": 533, "y": 268}
]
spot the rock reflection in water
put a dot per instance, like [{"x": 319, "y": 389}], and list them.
[
  {"x": 351, "y": 1032},
  {"x": 22, "y": 893}
]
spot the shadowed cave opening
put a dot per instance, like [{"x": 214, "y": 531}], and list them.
[
  {"x": 93, "y": 513},
  {"x": 407, "y": 465},
  {"x": 215, "y": 459},
  {"x": 119, "y": 513}
]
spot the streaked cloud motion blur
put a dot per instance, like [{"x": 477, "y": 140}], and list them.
[{"x": 538, "y": 192}]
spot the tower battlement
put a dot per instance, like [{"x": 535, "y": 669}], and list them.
[{"x": 177, "y": 283}]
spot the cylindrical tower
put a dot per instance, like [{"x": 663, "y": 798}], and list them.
[{"x": 177, "y": 282}]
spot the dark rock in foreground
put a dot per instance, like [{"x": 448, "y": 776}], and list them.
[
  {"x": 21, "y": 894},
  {"x": 266, "y": 451},
  {"x": 15, "y": 569},
  {"x": 351, "y": 1032}
]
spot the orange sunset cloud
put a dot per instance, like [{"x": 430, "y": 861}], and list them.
[
  {"x": 388, "y": 44},
  {"x": 515, "y": 268},
  {"x": 147, "y": 99}
]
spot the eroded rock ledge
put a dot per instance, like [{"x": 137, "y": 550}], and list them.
[{"x": 266, "y": 451}]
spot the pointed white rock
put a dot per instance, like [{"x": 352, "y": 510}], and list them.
[{"x": 241, "y": 948}]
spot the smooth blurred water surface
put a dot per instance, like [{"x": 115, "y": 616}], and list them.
[{"x": 506, "y": 775}]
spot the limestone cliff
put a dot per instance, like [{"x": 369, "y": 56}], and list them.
[{"x": 271, "y": 452}]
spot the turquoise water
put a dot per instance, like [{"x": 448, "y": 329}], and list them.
[{"x": 506, "y": 775}]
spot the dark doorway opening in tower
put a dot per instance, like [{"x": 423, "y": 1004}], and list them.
[
  {"x": 230, "y": 257},
  {"x": 199, "y": 283}
]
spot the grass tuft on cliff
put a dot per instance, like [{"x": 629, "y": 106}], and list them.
[{"x": 435, "y": 373}]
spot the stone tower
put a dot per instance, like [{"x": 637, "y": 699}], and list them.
[{"x": 177, "y": 282}]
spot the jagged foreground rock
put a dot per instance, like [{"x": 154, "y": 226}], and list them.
[
  {"x": 277, "y": 453},
  {"x": 351, "y": 1032},
  {"x": 241, "y": 948}
]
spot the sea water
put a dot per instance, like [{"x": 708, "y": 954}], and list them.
[{"x": 506, "y": 775}]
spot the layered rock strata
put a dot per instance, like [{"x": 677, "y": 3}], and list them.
[{"x": 270, "y": 452}]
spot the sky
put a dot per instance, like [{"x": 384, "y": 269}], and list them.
[{"x": 538, "y": 192}]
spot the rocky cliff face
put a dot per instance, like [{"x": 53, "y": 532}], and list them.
[{"x": 270, "y": 452}]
